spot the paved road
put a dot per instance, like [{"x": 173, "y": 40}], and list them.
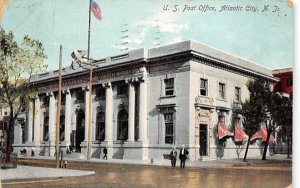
[{"x": 127, "y": 175}]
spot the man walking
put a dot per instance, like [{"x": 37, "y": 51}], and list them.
[
  {"x": 183, "y": 156},
  {"x": 105, "y": 153},
  {"x": 173, "y": 156}
]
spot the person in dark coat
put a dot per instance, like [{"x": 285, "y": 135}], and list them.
[
  {"x": 105, "y": 153},
  {"x": 183, "y": 156},
  {"x": 173, "y": 157}
]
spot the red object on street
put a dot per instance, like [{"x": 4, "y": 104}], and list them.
[
  {"x": 223, "y": 131},
  {"x": 257, "y": 135},
  {"x": 264, "y": 135},
  {"x": 239, "y": 134}
]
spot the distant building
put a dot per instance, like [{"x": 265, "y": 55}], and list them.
[
  {"x": 285, "y": 88},
  {"x": 285, "y": 84},
  {"x": 144, "y": 103}
]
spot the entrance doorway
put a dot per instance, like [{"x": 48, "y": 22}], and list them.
[
  {"x": 203, "y": 139},
  {"x": 80, "y": 128}
]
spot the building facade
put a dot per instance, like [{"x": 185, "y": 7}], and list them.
[
  {"x": 285, "y": 88},
  {"x": 285, "y": 84},
  {"x": 144, "y": 103}
]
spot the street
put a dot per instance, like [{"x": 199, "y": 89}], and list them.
[{"x": 124, "y": 175}]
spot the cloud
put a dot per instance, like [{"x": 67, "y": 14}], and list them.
[
  {"x": 151, "y": 31},
  {"x": 175, "y": 40},
  {"x": 165, "y": 22}
]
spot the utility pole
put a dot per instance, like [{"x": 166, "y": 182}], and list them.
[{"x": 58, "y": 110}]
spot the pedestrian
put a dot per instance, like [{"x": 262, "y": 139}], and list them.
[
  {"x": 183, "y": 156},
  {"x": 105, "y": 153},
  {"x": 32, "y": 151},
  {"x": 25, "y": 151},
  {"x": 173, "y": 157}
]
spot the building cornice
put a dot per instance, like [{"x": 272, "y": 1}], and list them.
[{"x": 170, "y": 54}]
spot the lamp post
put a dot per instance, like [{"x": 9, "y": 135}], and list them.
[{"x": 78, "y": 56}]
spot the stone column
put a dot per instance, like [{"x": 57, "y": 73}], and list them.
[
  {"x": 68, "y": 117},
  {"x": 143, "y": 128},
  {"x": 52, "y": 122},
  {"x": 109, "y": 118},
  {"x": 87, "y": 113},
  {"x": 143, "y": 109},
  {"x": 30, "y": 121},
  {"x": 131, "y": 111},
  {"x": 108, "y": 113},
  {"x": 37, "y": 123}
]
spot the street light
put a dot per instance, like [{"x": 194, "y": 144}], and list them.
[{"x": 79, "y": 58}]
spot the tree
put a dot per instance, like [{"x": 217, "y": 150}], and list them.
[
  {"x": 281, "y": 114},
  {"x": 18, "y": 63},
  {"x": 253, "y": 109}
]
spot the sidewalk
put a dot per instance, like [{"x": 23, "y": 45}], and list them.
[{"x": 30, "y": 172}]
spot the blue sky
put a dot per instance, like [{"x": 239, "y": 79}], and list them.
[{"x": 265, "y": 38}]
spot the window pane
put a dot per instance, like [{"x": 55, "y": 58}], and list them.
[
  {"x": 222, "y": 90},
  {"x": 203, "y": 87},
  {"x": 169, "y": 86},
  {"x": 100, "y": 126},
  {"x": 237, "y": 94},
  {"x": 122, "y": 132},
  {"x": 169, "y": 127},
  {"x": 122, "y": 89}
]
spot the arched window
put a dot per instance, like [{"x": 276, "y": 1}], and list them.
[
  {"x": 122, "y": 133},
  {"x": 100, "y": 126},
  {"x": 46, "y": 128},
  {"x": 62, "y": 128}
]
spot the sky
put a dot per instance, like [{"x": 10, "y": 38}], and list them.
[{"x": 243, "y": 29}]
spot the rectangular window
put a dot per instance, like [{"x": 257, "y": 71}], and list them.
[
  {"x": 100, "y": 93},
  {"x": 122, "y": 89},
  {"x": 169, "y": 86},
  {"x": 46, "y": 128},
  {"x": 80, "y": 95},
  {"x": 222, "y": 90},
  {"x": 237, "y": 94},
  {"x": 63, "y": 99},
  {"x": 122, "y": 130},
  {"x": 203, "y": 87},
  {"x": 169, "y": 128},
  {"x": 46, "y": 101}
]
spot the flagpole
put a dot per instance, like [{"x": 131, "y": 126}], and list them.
[
  {"x": 89, "y": 30},
  {"x": 90, "y": 90}
]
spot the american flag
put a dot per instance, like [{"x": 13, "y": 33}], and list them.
[{"x": 95, "y": 9}]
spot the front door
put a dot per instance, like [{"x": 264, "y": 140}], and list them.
[
  {"x": 80, "y": 128},
  {"x": 203, "y": 140}
]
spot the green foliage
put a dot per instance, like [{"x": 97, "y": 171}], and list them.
[
  {"x": 17, "y": 65},
  {"x": 254, "y": 109}
]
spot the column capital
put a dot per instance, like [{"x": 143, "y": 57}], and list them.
[
  {"x": 85, "y": 88},
  {"x": 106, "y": 84},
  {"x": 66, "y": 91},
  {"x": 50, "y": 94},
  {"x": 135, "y": 79}
]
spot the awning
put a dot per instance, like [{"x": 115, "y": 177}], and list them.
[
  {"x": 223, "y": 131},
  {"x": 264, "y": 135},
  {"x": 239, "y": 134},
  {"x": 257, "y": 135}
]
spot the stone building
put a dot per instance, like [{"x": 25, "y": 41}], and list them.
[{"x": 144, "y": 103}]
